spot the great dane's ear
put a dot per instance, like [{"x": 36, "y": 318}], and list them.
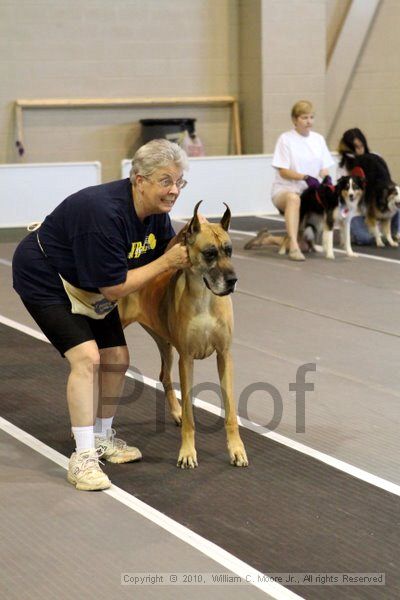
[
  {"x": 194, "y": 225},
  {"x": 226, "y": 219}
]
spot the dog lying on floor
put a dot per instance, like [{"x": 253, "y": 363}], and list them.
[
  {"x": 323, "y": 207},
  {"x": 192, "y": 311},
  {"x": 381, "y": 200}
]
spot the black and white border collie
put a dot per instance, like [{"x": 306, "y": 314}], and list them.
[
  {"x": 380, "y": 212},
  {"x": 321, "y": 208},
  {"x": 381, "y": 200},
  {"x": 350, "y": 190}
]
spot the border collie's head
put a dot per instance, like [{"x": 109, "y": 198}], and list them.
[
  {"x": 350, "y": 190},
  {"x": 391, "y": 198}
]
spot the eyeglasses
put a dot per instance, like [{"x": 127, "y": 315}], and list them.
[{"x": 168, "y": 183}]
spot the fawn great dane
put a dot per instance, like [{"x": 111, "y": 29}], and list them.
[{"x": 191, "y": 309}]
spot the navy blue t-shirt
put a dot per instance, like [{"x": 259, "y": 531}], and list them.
[{"x": 92, "y": 238}]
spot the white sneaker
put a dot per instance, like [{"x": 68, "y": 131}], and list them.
[
  {"x": 115, "y": 450},
  {"x": 84, "y": 471}
]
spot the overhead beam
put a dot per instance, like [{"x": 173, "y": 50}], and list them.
[{"x": 345, "y": 56}]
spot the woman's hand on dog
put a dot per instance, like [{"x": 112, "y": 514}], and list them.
[
  {"x": 312, "y": 182},
  {"x": 177, "y": 257}
]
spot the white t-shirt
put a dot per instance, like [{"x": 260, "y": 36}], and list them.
[{"x": 303, "y": 154}]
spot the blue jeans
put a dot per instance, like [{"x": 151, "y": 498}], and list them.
[{"x": 360, "y": 234}]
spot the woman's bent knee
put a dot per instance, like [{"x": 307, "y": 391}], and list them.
[
  {"x": 283, "y": 199},
  {"x": 292, "y": 199},
  {"x": 84, "y": 356},
  {"x": 118, "y": 355}
]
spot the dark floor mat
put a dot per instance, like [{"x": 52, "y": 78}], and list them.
[
  {"x": 284, "y": 513},
  {"x": 254, "y": 224}
]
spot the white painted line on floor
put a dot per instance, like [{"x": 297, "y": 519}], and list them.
[
  {"x": 281, "y": 219},
  {"x": 362, "y": 255},
  {"x": 240, "y": 232},
  {"x": 340, "y": 465},
  {"x": 319, "y": 248},
  {"x": 336, "y": 250},
  {"x": 201, "y": 544},
  {"x": 209, "y": 549},
  {"x": 24, "y": 328}
]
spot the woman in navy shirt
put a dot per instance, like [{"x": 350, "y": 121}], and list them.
[{"x": 99, "y": 245}]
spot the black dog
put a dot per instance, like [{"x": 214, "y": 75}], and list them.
[
  {"x": 321, "y": 208},
  {"x": 350, "y": 190},
  {"x": 317, "y": 214},
  {"x": 381, "y": 199}
]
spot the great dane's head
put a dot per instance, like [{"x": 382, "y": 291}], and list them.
[{"x": 210, "y": 250}]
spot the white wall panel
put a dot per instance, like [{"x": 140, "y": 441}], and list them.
[
  {"x": 29, "y": 192},
  {"x": 243, "y": 182}
]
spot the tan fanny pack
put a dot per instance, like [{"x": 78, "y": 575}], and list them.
[{"x": 89, "y": 304}]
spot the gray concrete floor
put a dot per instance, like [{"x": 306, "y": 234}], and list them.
[
  {"x": 343, "y": 316},
  {"x": 59, "y": 543}
]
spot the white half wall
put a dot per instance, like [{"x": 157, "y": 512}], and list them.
[
  {"x": 243, "y": 182},
  {"x": 29, "y": 192}
]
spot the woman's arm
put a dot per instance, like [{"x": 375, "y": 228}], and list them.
[
  {"x": 290, "y": 174},
  {"x": 323, "y": 173},
  {"x": 175, "y": 258}
]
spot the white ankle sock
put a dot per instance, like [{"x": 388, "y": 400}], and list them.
[
  {"x": 84, "y": 437},
  {"x": 102, "y": 426}
]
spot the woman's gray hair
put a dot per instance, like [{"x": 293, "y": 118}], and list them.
[{"x": 155, "y": 155}]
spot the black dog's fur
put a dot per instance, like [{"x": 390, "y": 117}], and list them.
[
  {"x": 321, "y": 201},
  {"x": 321, "y": 208},
  {"x": 381, "y": 198}
]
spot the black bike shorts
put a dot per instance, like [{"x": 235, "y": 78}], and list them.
[{"x": 66, "y": 330}]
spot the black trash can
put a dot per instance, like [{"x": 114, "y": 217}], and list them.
[{"x": 171, "y": 129}]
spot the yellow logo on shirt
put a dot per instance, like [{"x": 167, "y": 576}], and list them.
[{"x": 139, "y": 248}]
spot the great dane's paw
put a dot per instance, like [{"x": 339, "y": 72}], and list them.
[
  {"x": 393, "y": 244},
  {"x": 187, "y": 459},
  {"x": 380, "y": 244},
  {"x": 330, "y": 256},
  {"x": 352, "y": 254},
  {"x": 238, "y": 457}
]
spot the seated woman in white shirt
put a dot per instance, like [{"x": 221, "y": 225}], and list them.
[{"x": 300, "y": 157}]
